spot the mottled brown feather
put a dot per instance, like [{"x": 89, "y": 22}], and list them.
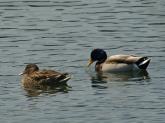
[{"x": 37, "y": 78}]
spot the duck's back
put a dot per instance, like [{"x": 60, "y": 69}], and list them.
[
  {"x": 44, "y": 77},
  {"x": 121, "y": 58}
]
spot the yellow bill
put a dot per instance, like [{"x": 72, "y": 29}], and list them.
[{"x": 90, "y": 61}]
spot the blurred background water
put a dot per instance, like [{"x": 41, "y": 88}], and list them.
[{"x": 60, "y": 34}]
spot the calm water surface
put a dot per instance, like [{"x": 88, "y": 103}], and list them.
[{"x": 60, "y": 34}]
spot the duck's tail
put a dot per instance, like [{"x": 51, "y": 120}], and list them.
[
  {"x": 143, "y": 63},
  {"x": 64, "y": 78}
]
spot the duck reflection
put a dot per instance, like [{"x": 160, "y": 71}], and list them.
[
  {"x": 101, "y": 78},
  {"x": 32, "y": 92}
]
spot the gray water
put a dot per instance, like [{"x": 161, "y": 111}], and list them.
[{"x": 59, "y": 35}]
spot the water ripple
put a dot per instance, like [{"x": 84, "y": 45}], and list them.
[{"x": 60, "y": 35}]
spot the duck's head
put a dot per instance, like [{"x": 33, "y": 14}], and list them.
[
  {"x": 30, "y": 68},
  {"x": 98, "y": 55}
]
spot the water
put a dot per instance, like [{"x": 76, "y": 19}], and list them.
[{"x": 60, "y": 34}]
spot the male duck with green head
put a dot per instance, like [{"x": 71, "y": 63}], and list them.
[{"x": 117, "y": 63}]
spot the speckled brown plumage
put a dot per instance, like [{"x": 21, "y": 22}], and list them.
[{"x": 33, "y": 77}]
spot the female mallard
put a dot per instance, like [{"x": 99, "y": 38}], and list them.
[
  {"x": 117, "y": 63},
  {"x": 33, "y": 77}
]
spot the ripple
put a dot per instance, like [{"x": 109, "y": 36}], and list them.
[{"x": 61, "y": 34}]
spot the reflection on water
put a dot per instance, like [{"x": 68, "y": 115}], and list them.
[
  {"x": 47, "y": 90},
  {"x": 100, "y": 78}
]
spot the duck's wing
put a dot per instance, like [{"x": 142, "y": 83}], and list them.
[
  {"x": 49, "y": 77},
  {"x": 128, "y": 59}
]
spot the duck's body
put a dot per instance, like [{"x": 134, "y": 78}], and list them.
[
  {"x": 117, "y": 63},
  {"x": 33, "y": 77}
]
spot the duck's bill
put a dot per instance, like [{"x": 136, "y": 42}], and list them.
[{"x": 90, "y": 61}]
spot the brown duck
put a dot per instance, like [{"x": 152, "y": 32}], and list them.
[{"x": 33, "y": 77}]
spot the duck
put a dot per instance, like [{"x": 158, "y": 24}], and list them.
[
  {"x": 33, "y": 77},
  {"x": 117, "y": 63}
]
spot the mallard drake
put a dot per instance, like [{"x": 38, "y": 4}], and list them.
[
  {"x": 33, "y": 77},
  {"x": 117, "y": 63}
]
